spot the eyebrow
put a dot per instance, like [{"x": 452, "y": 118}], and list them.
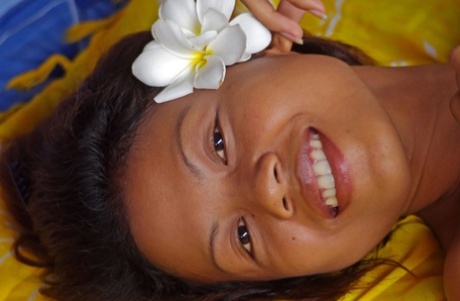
[
  {"x": 194, "y": 170},
  {"x": 212, "y": 250}
]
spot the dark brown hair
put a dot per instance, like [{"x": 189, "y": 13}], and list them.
[{"x": 74, "y": 224}]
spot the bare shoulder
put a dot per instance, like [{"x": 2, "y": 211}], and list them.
[{"x": 452, "y": 270}]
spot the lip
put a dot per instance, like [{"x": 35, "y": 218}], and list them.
[{"x": 307, "y": 178}]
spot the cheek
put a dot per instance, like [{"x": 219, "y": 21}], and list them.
[
  {"x": 381, "y": 178},
  {"x": 303, "y": 251}
]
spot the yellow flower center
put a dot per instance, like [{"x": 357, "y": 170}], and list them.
[{"x": 199, "y": 58}]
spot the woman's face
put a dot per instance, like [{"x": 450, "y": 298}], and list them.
[{"x": 226, "y": 185}]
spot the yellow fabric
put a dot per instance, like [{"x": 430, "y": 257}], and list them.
[
  {"x": 396, "y": 33},
  {"x": 413, "y": 245},
  {"x": 35, "y": 77}
]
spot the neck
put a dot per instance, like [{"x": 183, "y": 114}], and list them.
[{"x": 417, "y": 101}]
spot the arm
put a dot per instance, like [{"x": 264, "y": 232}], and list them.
[
  {"x": 455, "y": 101},
  {"x": 452, "y": 263},
  {"x": 452, "y": 270}
]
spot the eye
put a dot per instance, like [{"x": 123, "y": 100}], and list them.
[
  {"x": 218, "y": 142},
  {"x": 244, "y": 236}
]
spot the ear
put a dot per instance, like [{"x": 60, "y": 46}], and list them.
[{"x": 279, "y": 46}]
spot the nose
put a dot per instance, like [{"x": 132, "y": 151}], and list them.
[{"x": 270, "y": 187}]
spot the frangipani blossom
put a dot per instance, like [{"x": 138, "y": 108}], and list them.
[{"x": 193, "y": 43}]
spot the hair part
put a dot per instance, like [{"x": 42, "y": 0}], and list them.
[{"x": 76, "y": 227}]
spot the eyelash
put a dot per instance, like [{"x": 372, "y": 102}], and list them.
[
  {"x": 218, "y": 142},
  {"x": 244, "y": 237}
]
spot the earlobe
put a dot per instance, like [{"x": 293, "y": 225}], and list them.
[
  {"x": 279, "y": 46},
  {"x": 272, "y": 52}
]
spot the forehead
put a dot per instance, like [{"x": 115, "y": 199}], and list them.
[{"x": 155, "y": 208}]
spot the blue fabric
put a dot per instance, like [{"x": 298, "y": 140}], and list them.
[
  {"x": 32, "y": 30},
  {"x": 7, "y": 5}
]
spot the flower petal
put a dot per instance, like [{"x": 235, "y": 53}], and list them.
[
  {"x": 170, "y": 36},
  {"x": 229, "y": 45},
  {"x": 186, "y": 31},
  {"x": 213, "y": 20},
  {"x": 181, "y": 12},
  {"x": 258, "y": 36},
  {"x": 182, "y": 86},
  {"x": 158, "y": 67},
  {"x": 211, "y": 75},
  {"x": 225, "y": 7},
  {"x": 246, "y": 56},
  {"x": 204, "y": 39}
]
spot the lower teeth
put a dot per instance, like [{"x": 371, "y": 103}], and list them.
[{"x": 332, "y": 202}]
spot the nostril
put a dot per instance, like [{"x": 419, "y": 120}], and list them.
[
  {"x": 285, "y": 204},
  {"x": 275, "y": 173}
]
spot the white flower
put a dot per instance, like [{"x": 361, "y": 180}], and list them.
[{"x": 193, "y": 42}]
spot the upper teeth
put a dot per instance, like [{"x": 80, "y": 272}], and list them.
[{"x": 323, "y": 172}]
